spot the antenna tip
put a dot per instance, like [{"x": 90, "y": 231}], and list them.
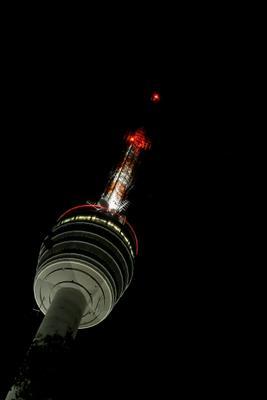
[{"x": 139, "y": 139}]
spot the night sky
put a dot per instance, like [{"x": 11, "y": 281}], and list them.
[{"x": 67, "y": 113}]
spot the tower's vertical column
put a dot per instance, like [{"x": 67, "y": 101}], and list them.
[{"x": 50, "y": 345}]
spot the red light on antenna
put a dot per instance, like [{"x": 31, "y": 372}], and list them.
[
  {"x": 155, "y": 97},
  {"x": 138, "y": 139}
]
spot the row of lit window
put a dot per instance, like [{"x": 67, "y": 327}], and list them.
[{"x": 101, "y": 221}]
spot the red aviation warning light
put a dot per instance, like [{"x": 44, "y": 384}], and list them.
[
  {"x": 138, "y": 140},
  {"x": 114, "y": 197},
  {"x": 155, "y": 97}
]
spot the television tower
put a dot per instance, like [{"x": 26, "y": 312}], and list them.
[{"x": 85, "y": 265}]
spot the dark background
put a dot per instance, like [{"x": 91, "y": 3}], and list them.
[{"x": 66, "y": 109}]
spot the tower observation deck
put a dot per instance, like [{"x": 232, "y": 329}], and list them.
[
  {"x": 92, "y": 251},
  {"x": 85, "y": 265}
]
